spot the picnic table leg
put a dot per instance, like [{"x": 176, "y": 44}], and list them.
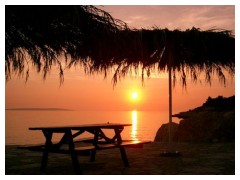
[
  {"x": 95, "y": 141},
  {"x": 121, "y": 148},
  {"x": 48, "y": 143},
  {"x": 74, "y": 157},
  {"x": 124, "y": 156},
  {"x": 93, "y": 155}
]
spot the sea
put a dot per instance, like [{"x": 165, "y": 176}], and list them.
[{"x": 145, "y": 124}]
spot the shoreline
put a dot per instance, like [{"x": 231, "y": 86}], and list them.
[{"x": 196, "y": 159}]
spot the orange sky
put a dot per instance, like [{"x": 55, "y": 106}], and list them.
[{"x": 81, "y": 92}]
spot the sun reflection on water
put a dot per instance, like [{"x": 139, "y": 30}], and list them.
[{"x": 134, "y": 131}]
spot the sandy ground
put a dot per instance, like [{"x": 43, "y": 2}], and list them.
[{"x": 195, "y": 159}]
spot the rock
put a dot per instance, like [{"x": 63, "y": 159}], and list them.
[
  {"x": 207, "y": 127},
  {"x": 162, "y": 134},
  {"x": 209, "y": 123}
]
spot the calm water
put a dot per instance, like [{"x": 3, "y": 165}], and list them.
[{"x": 144, "y": 123}]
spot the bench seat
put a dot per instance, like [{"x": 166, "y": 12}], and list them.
[
  {"x": 126, "y": 143},
  {"x": 41, "y": 145},
  {"x": 86, "y": 149}
]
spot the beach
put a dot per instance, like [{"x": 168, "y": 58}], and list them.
[{"x": 195, "y": 159}]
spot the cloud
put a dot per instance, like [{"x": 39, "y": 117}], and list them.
[{"x": 176, "y": 16}]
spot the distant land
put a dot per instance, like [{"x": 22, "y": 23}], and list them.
[{"x": 38, "y": 109}]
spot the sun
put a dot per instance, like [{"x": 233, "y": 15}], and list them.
[{"x": 134, "y": 95}]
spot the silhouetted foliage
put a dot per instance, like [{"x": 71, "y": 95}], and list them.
[{"x": 221, "y": 103}]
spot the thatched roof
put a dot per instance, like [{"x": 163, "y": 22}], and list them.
[
  {"x": 43, "y": 33},
  {"x": 91, "y": 37},
  {"x": 191, "y": 51}
]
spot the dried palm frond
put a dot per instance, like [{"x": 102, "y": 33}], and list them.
[
  {"x": 43, "y": 33},
  {"x": 91, "y": 37}
]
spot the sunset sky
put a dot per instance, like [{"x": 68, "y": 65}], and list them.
[
  {"x": 82, "y": 92},
  {"x": 90, "y": 93}
]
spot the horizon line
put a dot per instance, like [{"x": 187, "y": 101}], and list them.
[
  {"x": 38, "y": 109},
  {"x": 64, "y": 109}
]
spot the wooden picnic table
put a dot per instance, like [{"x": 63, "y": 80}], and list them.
[{"x": 99, "y": 141}]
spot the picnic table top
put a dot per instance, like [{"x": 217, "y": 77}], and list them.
[{"x": 83, "y": 126}]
